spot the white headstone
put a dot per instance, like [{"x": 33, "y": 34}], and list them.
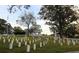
[
  {"x": 73, "y": 42},
  {"x": 25, "y": 43},
  {"x": 34, "y": 46},
  {"x": 44, "y": 43},
  {"x": 11, "y": 46},
  {"x": 12, "y": 41},
  {"x": 4, "y": 40},
  {"x": 28, "y": 48},
  {"x": 19, "y": 44},
  {"x": 8, "y": 40},
  {"x": 33, "y": 41},
  {"x": 40, "y": 44}
]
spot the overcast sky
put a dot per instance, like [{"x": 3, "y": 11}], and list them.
[{"x": 13, "y": 17}]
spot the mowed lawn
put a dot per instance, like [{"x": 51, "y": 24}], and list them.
[{"x": 49, "y": 47}]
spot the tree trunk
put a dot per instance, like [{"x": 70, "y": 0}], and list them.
[
  {"x": 28, "y": 31},
  {"x": 60, "y": 28}
]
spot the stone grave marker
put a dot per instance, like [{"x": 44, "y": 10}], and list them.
[
  {"x": 4, "y": 40},
  {"x": 44, "y": 43},
  {"x": 34, "y": 46},
  {"x": 61, "y": 43},
  {"x": 19, "y": 44},
  {"x": 28, "y": 48},
  {"x": 68, "y": 42},
  {"x": 73, "y": 42},
  {"x": 8, "y": 40},
  {"x": 11, "y": 46},
  {"x": 40, "y": 44},
  {"x": 33, "y": 41},
  {"x": 25, "y": 43}
]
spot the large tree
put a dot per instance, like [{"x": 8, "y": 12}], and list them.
[
  {"x": 58, "y": 16},
  {"x": 27, "y": 20}
]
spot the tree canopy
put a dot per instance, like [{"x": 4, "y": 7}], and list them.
[
  {"x": 5, "y": 27},
  {"x": 27, "y": 20},
  {"x": 58, "y": 16},
  {"x": 14, "y": 8},
  {"x": 18, "y": 30}
]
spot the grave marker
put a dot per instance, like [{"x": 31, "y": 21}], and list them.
[
  {"x": 19, "y": 44},
  {"x": 8, "y": 40},
  {"x": 68, "y": 42},
  {"x": 11, "y": 46},
  {"x": 73, "y": 42},
  {"x": 25, "y": 43},
  {"x": 34, "y": 46},
  {"x": 40, "y": 44},
  {"x": 28, "y": 48},
  {"x": 4, "y": 40},
  {"x": 44, "y": 43}
]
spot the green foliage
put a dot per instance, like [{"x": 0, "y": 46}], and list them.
[
  {"x": 58, "y": 16},
  {"x": 27, "y": 20},
  {"x": 14, "y": 8},
  {"x": 18, "y": 31},
  {"x": 35, "y": 28},
  {"x": 3, "y": 27}
]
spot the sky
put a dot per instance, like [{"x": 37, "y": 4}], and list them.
[{"x": 11, "y": 18}]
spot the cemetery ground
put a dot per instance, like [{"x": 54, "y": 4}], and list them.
[{"x": 35, "y": 44}]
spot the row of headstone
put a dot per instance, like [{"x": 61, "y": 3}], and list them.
[
  {"x": 34, "y": 46},
  {"x": 12, "y": 41},
  {"x": 68, "y": 41}
]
